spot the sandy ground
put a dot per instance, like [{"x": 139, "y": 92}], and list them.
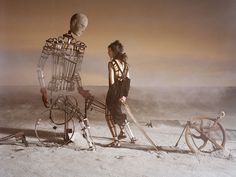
[
  {"x": 74, "y": 160},
  {"x": 132, "y": 160}
]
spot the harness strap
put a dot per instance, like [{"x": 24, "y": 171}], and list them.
[{"x": 124, "y": 72}]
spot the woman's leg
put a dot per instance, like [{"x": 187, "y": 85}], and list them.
[
  {"x": 112, "y": 128},
  {"x": 122, "y": 134},
  {"x": 119, "y": 118}
]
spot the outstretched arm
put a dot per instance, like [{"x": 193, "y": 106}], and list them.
[
  {"x": 84, "y": 93},
  {"x": 47, "y": 49},
  {"x": 91, "y": 101}
]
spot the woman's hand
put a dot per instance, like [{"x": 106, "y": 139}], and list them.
[{"x": 123, "y": 99}]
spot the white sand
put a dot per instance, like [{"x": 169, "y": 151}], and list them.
[
  {"x": 34, "y": 161},
  {"x": 17, "y": 113}
]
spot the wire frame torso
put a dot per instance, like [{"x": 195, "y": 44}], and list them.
[{"x": 67, "y": 56}]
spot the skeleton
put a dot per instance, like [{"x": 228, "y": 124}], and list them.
[{"x": 67, "y": 55}]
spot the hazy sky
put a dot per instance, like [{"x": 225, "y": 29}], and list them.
[{"x": 168, "y": 42}]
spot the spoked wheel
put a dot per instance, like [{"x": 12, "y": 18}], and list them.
[
  {"x": 50, "y": 128},
  {"x": 205, "y": 135},
  {"x": 67, "y": 104}
]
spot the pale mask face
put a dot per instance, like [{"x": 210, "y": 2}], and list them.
[{"x": 79, "y": 24}]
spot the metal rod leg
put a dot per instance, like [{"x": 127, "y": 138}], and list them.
[
  {"x": 86, "y": 134},
  {"x": 181, "y": 135},
  {"x": 66, "y": 137},
  {"x": 129, "y": 132}
]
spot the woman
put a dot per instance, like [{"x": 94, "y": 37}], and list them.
[{"x": 119, "y": 85}]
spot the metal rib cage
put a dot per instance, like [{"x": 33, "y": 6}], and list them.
[{"x": 67, "y": 56}]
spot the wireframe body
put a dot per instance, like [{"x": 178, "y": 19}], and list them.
[{"x": 66, "y": 54}]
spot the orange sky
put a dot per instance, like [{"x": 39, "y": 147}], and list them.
[{"x": 169, "y": 43}]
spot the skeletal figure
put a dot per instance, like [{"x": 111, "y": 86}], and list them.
[{"x": 66, "y": 54}]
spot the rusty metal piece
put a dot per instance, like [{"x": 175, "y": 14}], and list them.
[
  {"x": 205, "y": 134},
  {"x": 18, "y": 136}
]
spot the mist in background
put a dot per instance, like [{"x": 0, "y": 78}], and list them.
[{"x": 20, "y": 103}]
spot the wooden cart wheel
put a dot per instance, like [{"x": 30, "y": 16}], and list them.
[{"x": 205, "y": 135}]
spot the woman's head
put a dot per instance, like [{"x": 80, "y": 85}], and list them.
[{"x": 115, "y": 51}]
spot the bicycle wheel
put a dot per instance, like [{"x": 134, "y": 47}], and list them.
[
  {"x": 51, "y": 134},
  {"x": 203, "y": 134},
  {"x": 63, "y": 105}
]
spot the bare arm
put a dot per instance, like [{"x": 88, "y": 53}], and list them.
[
  {"x": 126, "y": 89},
  {"x": 111, "y": 74}
]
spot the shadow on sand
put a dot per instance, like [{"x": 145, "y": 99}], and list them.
[
  {"x": 47, "y": 134},
  {"x": 132, "y": 146}
]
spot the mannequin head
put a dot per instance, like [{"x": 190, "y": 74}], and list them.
[{"x": 78, "y": 24}]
